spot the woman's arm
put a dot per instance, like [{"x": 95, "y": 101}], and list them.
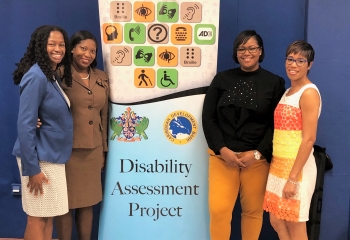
[
  {"x": 210, "y": 121},
  {"x": 309, "y": 104},
  {"x": 104, "y": 119},
  {"x": 211, "y": 127},
  {"x": 32, "y": 89}
]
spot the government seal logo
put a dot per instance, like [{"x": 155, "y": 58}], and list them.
[
  {"x": 180, "y": 127},
  {"x": 129, "y": 127}
]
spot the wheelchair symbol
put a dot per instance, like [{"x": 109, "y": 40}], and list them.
[{"x": 166, "y": 81}]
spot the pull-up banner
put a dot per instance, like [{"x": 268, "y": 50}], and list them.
[{"x": 160, "y": 57}]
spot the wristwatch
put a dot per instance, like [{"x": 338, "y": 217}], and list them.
[{"x": 257, "y": 155}]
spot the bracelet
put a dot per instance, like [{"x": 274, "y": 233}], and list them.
[{"x": 295, "y": 183}]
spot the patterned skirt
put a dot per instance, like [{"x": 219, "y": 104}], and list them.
[{"x": 54, "y": 201}]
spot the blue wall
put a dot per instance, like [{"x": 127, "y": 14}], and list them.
[
  {"x": 278, "y": 22},
  {"x": 18, "y": 19},
  {"x": 328, "y": 32}
]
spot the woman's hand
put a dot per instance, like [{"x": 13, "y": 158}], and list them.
[
  {"x": 38, "y": 123},
  {"x": 247, "y": 158},
  {"x": 36, "y": 183},
  {"x": 289, "y": 190},
  {"x": 231, "y": 158}
]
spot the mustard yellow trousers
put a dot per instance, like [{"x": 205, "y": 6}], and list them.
[{"x": 224, "y": 185}]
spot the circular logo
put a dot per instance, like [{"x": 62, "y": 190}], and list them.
[{"x": 180, "y": 127}]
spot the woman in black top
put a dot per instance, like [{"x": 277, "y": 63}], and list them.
[{"x": 238, "y": 126}]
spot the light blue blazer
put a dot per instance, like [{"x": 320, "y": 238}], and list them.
[{"x": 52, "y": 142}]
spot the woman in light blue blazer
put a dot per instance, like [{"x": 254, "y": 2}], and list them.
[{"x": 42, "y": 153}]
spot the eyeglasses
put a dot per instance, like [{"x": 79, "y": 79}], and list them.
[
  {"x": 242, "y": 50},
  {"x": 300, "y": 62}
]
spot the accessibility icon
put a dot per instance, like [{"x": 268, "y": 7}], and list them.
[
  {"x": 120, "y": 11},
  {"x": 167, "y": 78},
  {"x": 144, "y": 11},
  {"x": 144, "y": 78},
  {"x": 158, "y": 33},
  {"x": 167, "y": 56},
  {"x": 121, "y": 55},
  {"x": 134, "y": 33},
  {"x": 168, "y": 12},
  {"x": 112, "y": 33},
  {"x": 144, "y": 56}
]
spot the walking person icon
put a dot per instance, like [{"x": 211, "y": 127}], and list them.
[
  {"x": 143, "y": 76},
  {"x": 167, "y": 79}
]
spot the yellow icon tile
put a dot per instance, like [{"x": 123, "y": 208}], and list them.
[{"x": 144, "y": 78}]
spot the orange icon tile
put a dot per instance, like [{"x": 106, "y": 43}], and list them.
[
  {"x": 181, "y": 34},
  {"x": 144, "y": 78},
  {"x": 167, "y": 56},
  {"x": 112, "y": 33},
  {"x": 144, "y": 11}
]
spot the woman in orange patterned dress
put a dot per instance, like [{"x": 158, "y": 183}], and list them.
[{"x": 292, "y": 174}]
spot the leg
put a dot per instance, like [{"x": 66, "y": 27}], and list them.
[
  {"x": 253, "y": 187},
  {"x": 297, "y": 230},
  {"x": 223, "y": 191},
  {"x": 48, "y": 229},
  {"x": 35, "y": 228},
  {"x": 280, "y": 227},
  {"x": 64, "y": 225},
  {"x": 83, "y": 220}
]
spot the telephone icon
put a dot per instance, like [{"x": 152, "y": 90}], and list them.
[
  {"x": 180, "y": 29},
  {"x": 137, "y": 30},
  {"x": 130, "y": 34},
  {"x": 180, "y": 34}
]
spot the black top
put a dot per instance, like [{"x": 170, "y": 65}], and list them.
[{"x": 238, "y": 110}]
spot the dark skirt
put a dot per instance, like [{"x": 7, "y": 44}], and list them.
[{"x": 83, "y": 172}]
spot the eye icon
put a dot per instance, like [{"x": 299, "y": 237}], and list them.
[
  {"x": 167, "y": 56},
  {"x": 143, "y": 11}
]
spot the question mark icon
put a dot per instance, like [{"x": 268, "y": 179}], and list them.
[{"x": 159, "y": 31}]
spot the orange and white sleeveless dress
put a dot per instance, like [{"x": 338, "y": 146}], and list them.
[{"x": 286, "y": 142}]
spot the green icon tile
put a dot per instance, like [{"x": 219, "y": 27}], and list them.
[
  {"x": 168, "y": 12},
  {"x": 134, "y": 33},
  {"x": 144, "y": 56},
  {"x": 204, "y": 34},
  {"x": 167, "y": 78}
]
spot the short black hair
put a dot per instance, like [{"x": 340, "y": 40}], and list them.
[
  {"x": 302, "y": 47},
  {"x": 37, "y": 53},
  {"x": 79, "y": 36},
  {"x": 242, "y": 38}
]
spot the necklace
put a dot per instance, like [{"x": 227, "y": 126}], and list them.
[{"x": 86, "y": 77}]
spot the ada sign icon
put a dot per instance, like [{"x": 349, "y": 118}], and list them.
[{"x": 205, "y": 34}]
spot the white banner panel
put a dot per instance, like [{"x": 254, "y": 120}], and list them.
[{"x": 160, "y": 56}]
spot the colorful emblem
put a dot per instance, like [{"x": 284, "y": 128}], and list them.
[
  {"x": 129, "y": 127},
  {"x": 180, "y": 127}
]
